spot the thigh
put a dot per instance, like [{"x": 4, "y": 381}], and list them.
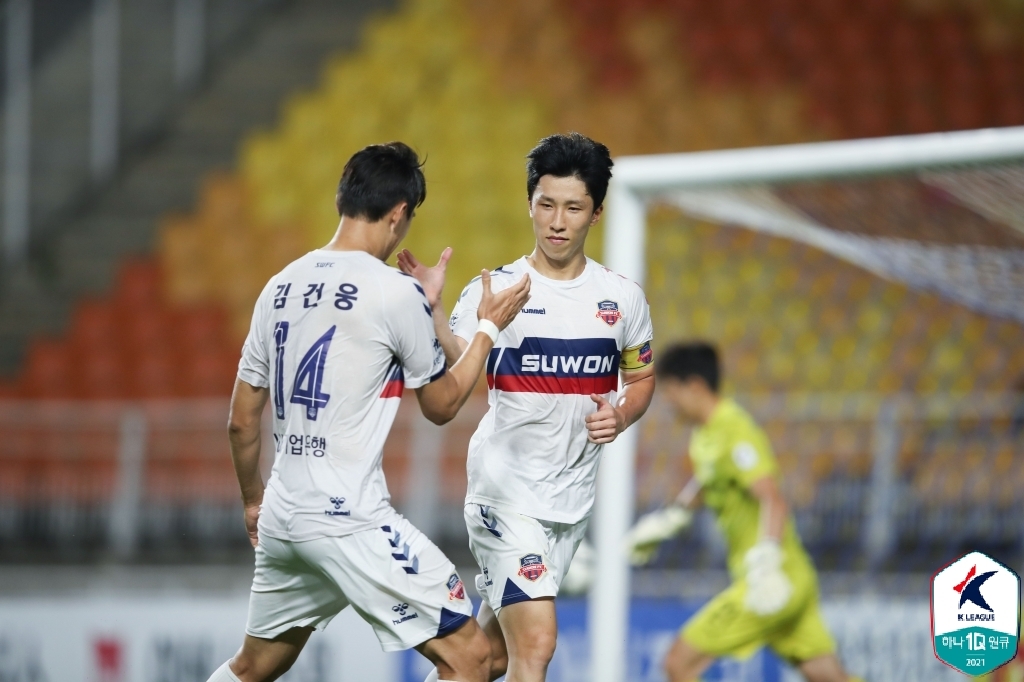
[
  {"x": 268, "y": 659},
  {"x": 825, "y": 668},
  {"x": 683, "y": 663},
  {"x": 488, "y": 621},
  {"x": 287, "y": 592},
  {"x": 513, "y": 552},
  {"x": 529, "y": 626},
  {"x": 461, "y": 651},
  {"x": 399, "y": 582}
]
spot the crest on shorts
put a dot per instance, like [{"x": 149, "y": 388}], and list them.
[
  {"x": 456, "y": 590},
  {"x": 609, "y": 312},
  {"x": 532, "y": 567}
]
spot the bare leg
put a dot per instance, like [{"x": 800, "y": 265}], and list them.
[
  {"x": 460, "y": 656},
  {"x": 824, "y": 669},
  {"x": 684, "y": 663},
  {"x": 530, "y": 630},
  {"x": 265, "y": 660},
  {"x": 499, "y": 652}
]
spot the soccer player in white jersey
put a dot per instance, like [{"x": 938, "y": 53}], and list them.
[
  {"x": 554, "y": 378},
  {"x": 335, "y": 337}
]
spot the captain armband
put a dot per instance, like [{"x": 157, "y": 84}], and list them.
[{"x": 636, "y": 358}]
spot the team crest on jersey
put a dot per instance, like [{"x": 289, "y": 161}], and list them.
[
  {"x": 609, "y": 312},
  {"x": 532, "y": 567},
  {"x": 456, "y": 590}
]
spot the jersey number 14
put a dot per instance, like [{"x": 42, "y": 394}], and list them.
[{"x": 307, "y": 389}]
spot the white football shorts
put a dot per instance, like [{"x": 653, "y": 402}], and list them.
[
  {"x": 394, "y": 576},
  {"x": 521, "y": 557}
]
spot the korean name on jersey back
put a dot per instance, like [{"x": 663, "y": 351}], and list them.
[{"x": 555, "y": 366}]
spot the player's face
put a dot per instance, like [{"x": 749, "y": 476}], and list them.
[
  {"x": 562, "y": 213},
  {"x": 684, "y": 396}
]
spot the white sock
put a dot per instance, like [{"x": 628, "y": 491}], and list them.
[{"x": 223, "y": 674}]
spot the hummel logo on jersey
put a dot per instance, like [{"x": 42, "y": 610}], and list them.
[
  {"x": 337, "y": 511},
  {"x": 534, "y": 311},
  {"x": 400, "y": 609}
]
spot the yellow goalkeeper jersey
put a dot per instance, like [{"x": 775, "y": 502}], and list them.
[{"x": 729, "y": 453}]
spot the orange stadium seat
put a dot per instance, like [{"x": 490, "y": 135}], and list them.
[
  {"x": 48, "y": 371},
  {"x": 791, "y": 318}
]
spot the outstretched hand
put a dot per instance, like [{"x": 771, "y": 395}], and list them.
[
  {"x": 502, "y": 307},
  {"x": 606, "y": 423},
  {"x": 431, "y": 279}
]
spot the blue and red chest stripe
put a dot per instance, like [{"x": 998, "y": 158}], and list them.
[{"x": 555, "y": 366}]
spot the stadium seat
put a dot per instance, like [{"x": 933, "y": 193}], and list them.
[
  {"x": 471, "y": 88},
  {"x": 48, "y": 371}
]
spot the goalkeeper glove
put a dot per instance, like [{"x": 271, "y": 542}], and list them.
[
  {"x": 654, "y": 528},
  {"x": 768, "y": 588}
]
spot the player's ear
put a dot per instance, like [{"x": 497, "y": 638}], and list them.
[
  {"x": 395, "y": 218},
  {"x": 597, "y": 215}
]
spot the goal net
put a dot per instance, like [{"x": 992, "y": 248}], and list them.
[{"x": 867, "y": 298}]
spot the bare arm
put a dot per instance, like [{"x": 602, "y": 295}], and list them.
[
  {"x": 609, "y": 420},
  {"x": 441, "y": 400},
  {"x": 774, "y": 510},
  {"x": 247, "y": 404},
  {"x": 453, "y": 346}
]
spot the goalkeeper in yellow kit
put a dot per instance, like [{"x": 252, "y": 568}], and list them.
[{"x": 773, "y": 598}]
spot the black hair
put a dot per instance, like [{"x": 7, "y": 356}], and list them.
[
  {"x": 565, "y": 156},
  {"x": 687, "y": 360},
  {"x": 378, "y": 178}
]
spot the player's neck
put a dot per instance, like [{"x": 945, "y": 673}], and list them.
[
  {"x": 707, "y": 408},
  {"x": 568, "y": 269},
  {"x": 354, "y": 234}
]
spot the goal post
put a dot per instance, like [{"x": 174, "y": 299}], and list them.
[{"x": 641, "y": 180}]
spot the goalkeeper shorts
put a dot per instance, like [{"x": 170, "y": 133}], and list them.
[{"x": 797, "y": 633}]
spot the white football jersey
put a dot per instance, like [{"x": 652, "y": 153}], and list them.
[
  {"x": 335, "y": 336},
  {"x": 530, "y": 453}
]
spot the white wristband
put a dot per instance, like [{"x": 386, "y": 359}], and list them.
[{"x": 489, "y": 328}]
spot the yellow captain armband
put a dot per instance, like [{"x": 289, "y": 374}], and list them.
[{"x": 636, "y": 358}]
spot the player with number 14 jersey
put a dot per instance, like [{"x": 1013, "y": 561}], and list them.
[{"x": 335, "y": 339}]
